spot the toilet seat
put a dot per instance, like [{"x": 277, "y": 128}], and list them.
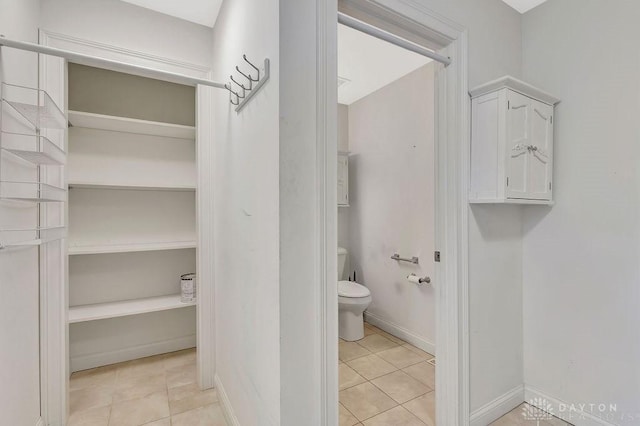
[{"x": 352, "y": 289}]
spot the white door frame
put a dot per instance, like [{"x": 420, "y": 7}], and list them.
[
  {"x": 408, "y": 18},
  {"x": 54, "y": 309}
]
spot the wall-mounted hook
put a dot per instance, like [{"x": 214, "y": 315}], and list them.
[
  {"x": 244, "y": 89},
  {"x": 248, "y": 77},
  {"x": 232, "y": 92},
  {"x": 250, "y": 89},
  {"x": 252, "y": 66}
]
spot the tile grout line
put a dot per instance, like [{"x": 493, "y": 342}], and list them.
[
  {"x": 354, "y": 416},
  {"x": 398, "y": 404}
]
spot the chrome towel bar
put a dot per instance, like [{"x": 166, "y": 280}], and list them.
[{"x": 397, "y": 257}]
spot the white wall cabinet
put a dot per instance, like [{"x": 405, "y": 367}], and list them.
[
  {"x": 343, "y": 179},
  {"x": 511, "y": 143}
]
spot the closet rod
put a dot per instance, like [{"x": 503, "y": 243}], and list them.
[
  {"x": 109, "y": 64},
  {"x": 393, "y": 39}
]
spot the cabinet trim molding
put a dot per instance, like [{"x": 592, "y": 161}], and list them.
[{"x": 517, "y": 86}]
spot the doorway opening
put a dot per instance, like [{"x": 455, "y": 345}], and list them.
[
  {"x": 386, "y": 231},
  {"x": 420, "y": 26}
]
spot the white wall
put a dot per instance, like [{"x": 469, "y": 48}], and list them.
[
  {"x": 19, "y": 307},
  {"x": 246, "y": 163},
  {"x": 391, "y": 191},
  {"x": 303, "y": 207},
  {"x": 127, "y": 26},
  {"x": 494, "y": 36},
  {"x": 495, "y": 254},
  {"x": 580, "y": 268}
]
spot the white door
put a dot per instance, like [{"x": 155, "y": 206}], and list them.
[
  {"x": 518, "y": 140},
  {"x": 540, "y": 158}
]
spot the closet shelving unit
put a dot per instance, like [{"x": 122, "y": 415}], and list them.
[
  {"x": 27, "y": 113},
  {"x": 124, "y": 125},
  {"x": 132, "y": 186},
  {"x": 85, "y": 174}
]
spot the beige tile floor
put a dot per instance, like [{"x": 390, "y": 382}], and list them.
[
  {"x": 155, "y": 391},
  {"x": 385, "y": 381},
  {"x": 516, "y": 418}
]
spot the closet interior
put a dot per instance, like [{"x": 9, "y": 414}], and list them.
[{"x": 131, "y": 173}]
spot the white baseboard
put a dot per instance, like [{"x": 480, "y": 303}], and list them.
[
  {"x": 498, "y": 407},
  {"x": 576, "y": 416},
  {"x": 400, "y": 332},
  {"x": 84, "y": 362},
  {"x": 227, "y": 409}
]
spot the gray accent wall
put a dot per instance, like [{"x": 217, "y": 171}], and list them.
[{"x": 101, "y": 91}]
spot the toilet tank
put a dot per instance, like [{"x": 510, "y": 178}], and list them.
[{"x": 342, "y": 259}]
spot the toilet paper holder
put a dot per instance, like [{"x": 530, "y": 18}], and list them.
[{"x": 424, "y": 280}]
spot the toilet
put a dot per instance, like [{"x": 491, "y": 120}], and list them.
[{"x": 353, "y": 299}]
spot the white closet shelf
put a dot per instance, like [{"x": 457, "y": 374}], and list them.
[
  {"x": 131, "y": 187},
  {"x": 125, "y": 308},
  {"x": 35, "y": 105},
  {"x": 128, "y": 248},
  {"x": 130, "y": 125}
]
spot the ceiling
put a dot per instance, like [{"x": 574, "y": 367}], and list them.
[
  {"x": 203, "y": 12},
  {"x": 523, "y": 6},
  {"x": 368, "y": 64}
]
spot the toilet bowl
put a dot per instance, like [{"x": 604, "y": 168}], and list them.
[{"x": 353, "y": 299}]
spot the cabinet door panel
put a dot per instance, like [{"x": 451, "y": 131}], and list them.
[
  {"x": 540, "y": 162},
  {"x": 343, "y": 180},
  {"x": 518, "y": 136}
]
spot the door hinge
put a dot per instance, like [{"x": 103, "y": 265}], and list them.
[
  {"x": 507, "y": 180},
  {"x": 549, "y": 186},
  {"x": 508, "y": 104},
  {"x": 436, "y": 256},
  {"x": 552, "y": 119}
]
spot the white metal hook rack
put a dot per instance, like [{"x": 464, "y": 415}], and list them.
[{"x": 250, "y": 89}]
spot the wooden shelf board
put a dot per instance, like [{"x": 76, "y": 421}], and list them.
[
  {"x": 125, "y": 308},
  {"x": 130, "y": 125},
  {"x": 132, "y": 187},
  {"x": 128, "y": 248}
]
